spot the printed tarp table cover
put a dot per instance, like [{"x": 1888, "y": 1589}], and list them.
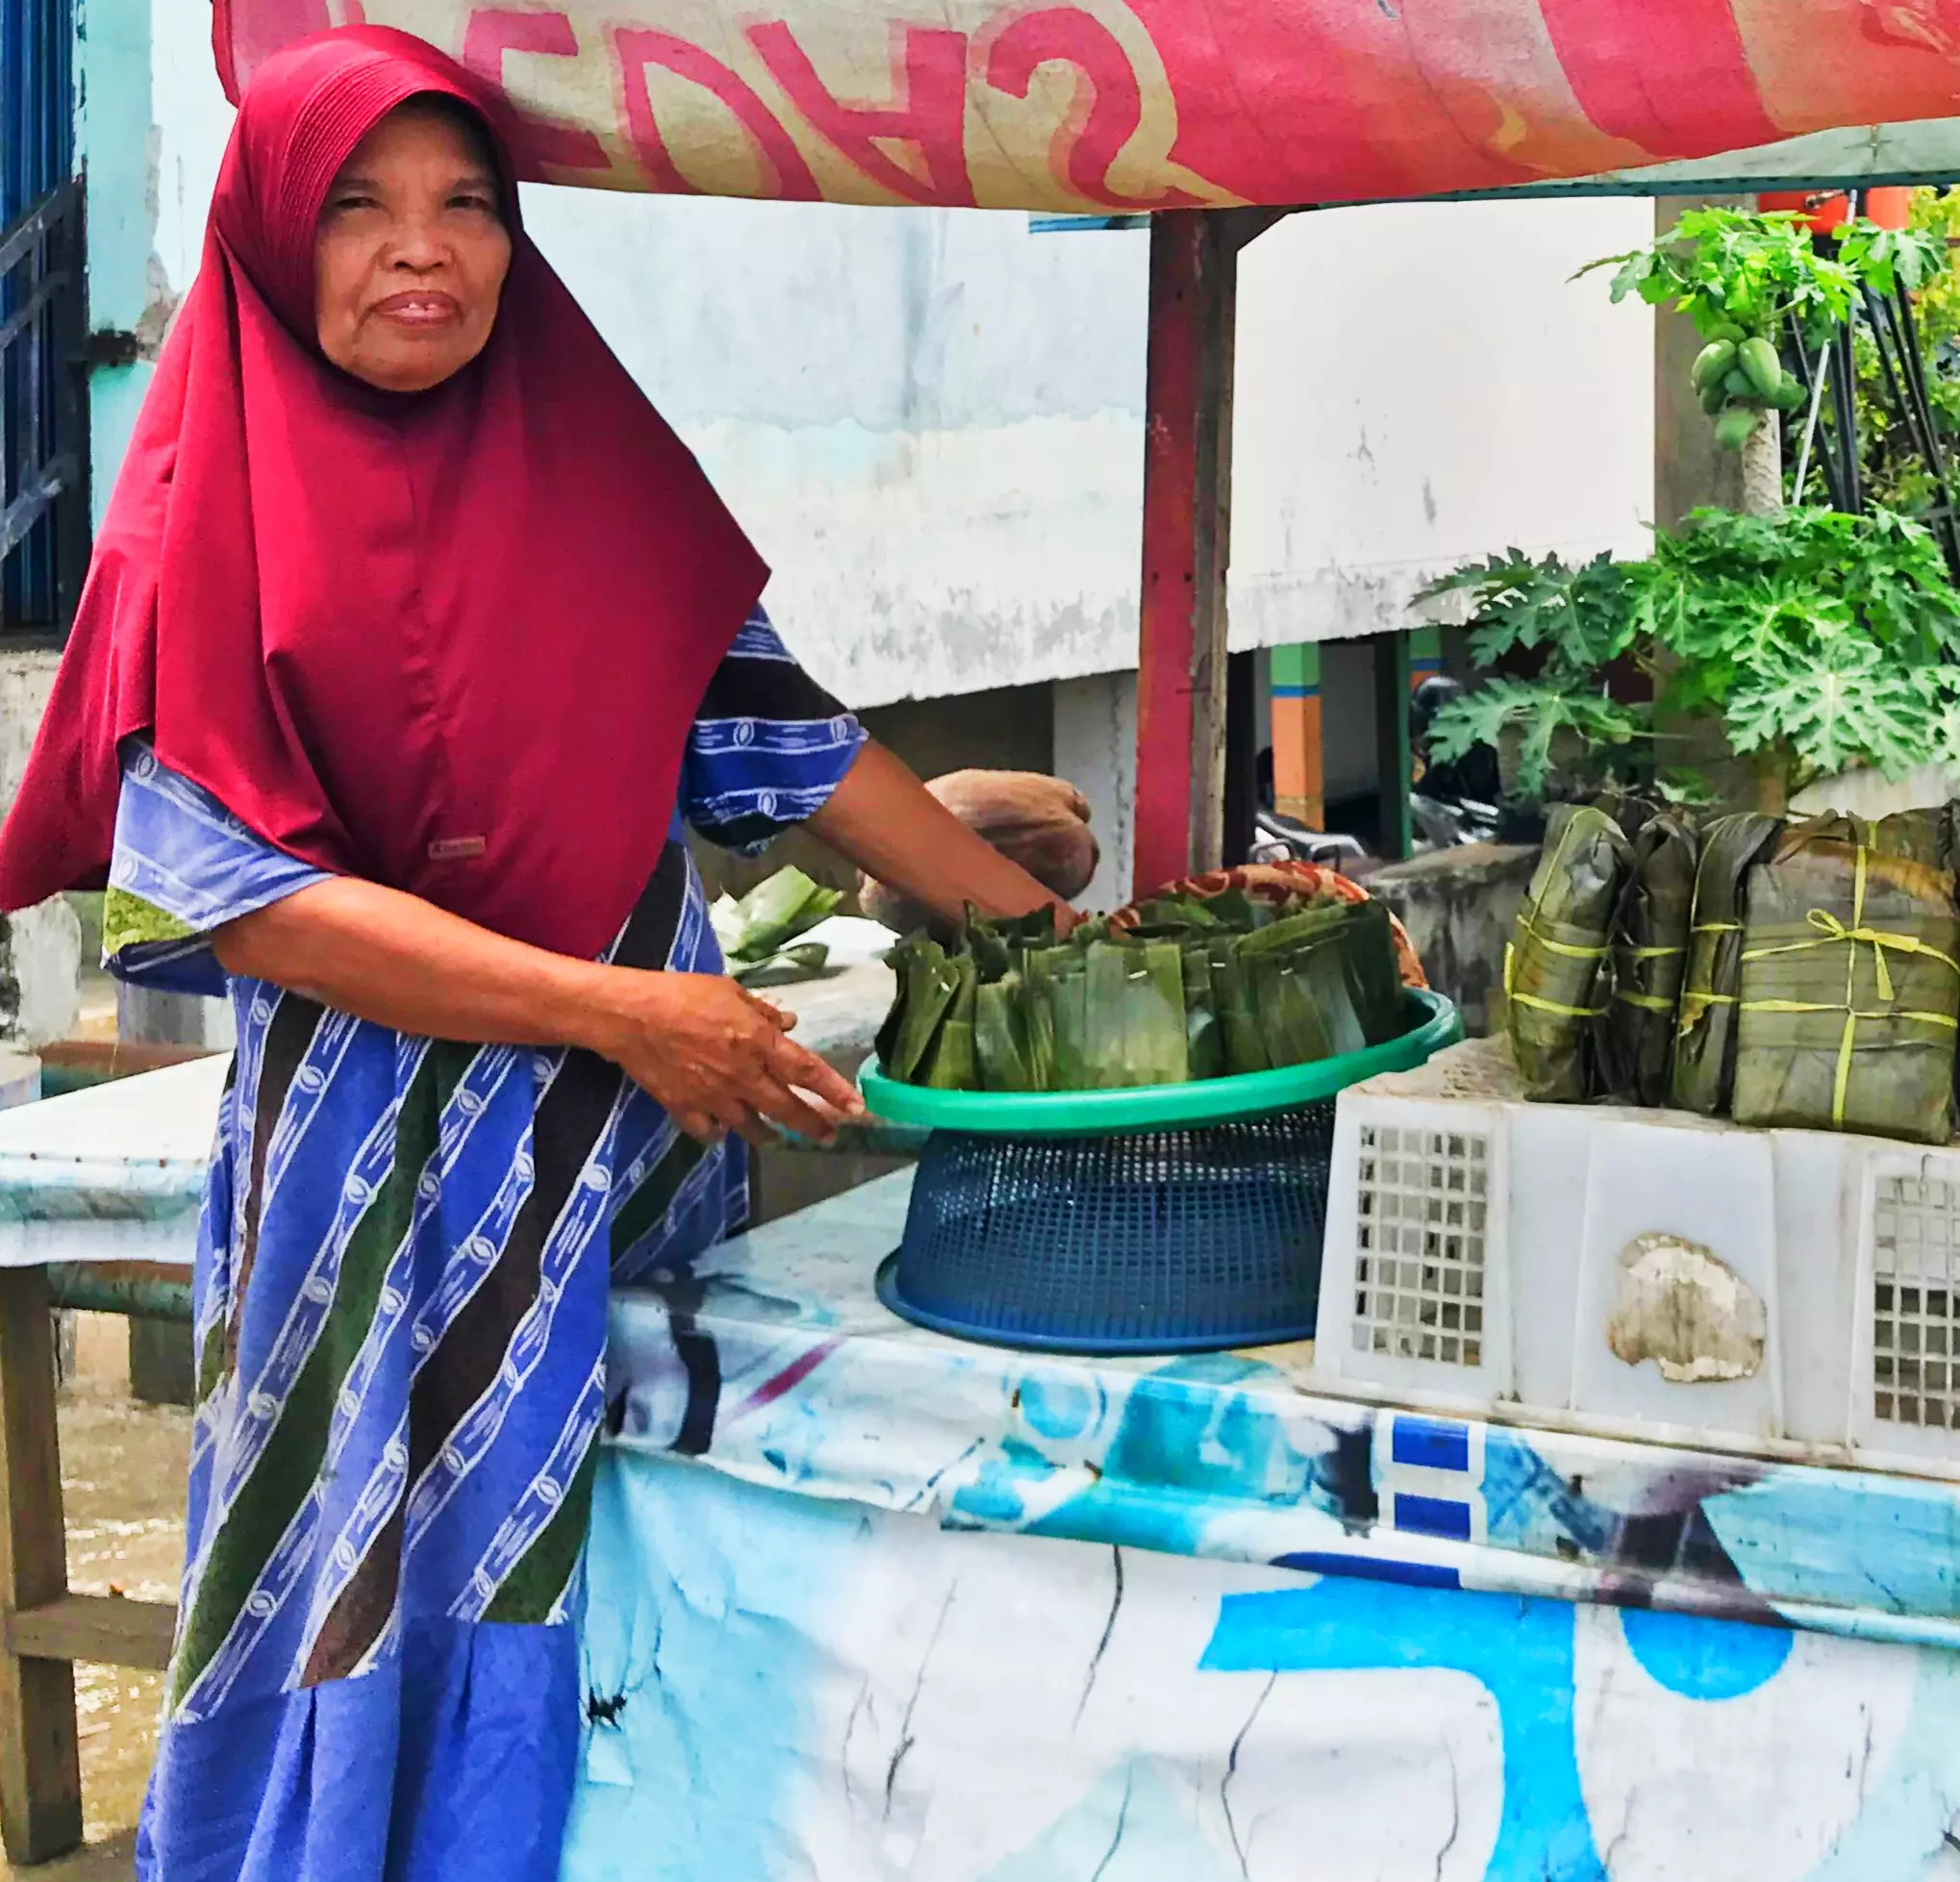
[
  {"x": 782, "y": 1689},
  {"x": 1123, "y": 105},
  {"x": 867, "y": 1604},
  {"x": 773, "y": 1361}
]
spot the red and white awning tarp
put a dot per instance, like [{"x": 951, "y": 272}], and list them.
[{"x": 1121, "y": 105}]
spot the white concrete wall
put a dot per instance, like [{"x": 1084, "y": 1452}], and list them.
[
  {"x": 932, "y": 420},
  {"x": 1423, "y": 383}
]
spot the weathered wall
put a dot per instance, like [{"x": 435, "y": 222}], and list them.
[
  {"x": 931, "y": 420},
  {"x": 41, "y": 949},
  {"x": 1459, "y": 906},
  {"x": 1423, "y": 383},
  {"x": 944, "y": 461},
  {"x": 1095, "y": 749}
]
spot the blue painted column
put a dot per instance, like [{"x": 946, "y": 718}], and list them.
[{"x": 118, "y": 140}]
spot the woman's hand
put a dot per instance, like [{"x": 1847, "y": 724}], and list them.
[{"x": 717, "y": 1059}]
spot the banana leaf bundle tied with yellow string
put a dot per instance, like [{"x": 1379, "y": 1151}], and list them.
[
  {"x": 1703, "y": 1071},
  {"x": 1850, "y": 997},
  {"x": 1649, "y": 957},
  {"x": 1556, "y": 972}
]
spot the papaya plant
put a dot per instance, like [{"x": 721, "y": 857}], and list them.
[
  {"x": 1819, "y": 641},
  {"x": 1745, "y": 278}
]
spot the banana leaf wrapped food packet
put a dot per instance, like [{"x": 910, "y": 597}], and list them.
[
  {"x": 1555, "y": 970},
  {"x": 1850, "y": 982},
  {"x": 1238, "y": 1010},
  {"x": 758, "y": 932},
  {"x": 1204, "y": 1033},
  {"x": 953, "y": 1063},
  {"x": 927, "y": 981},
  {"x": 1369, "y": 954},
  {"x": 1703, "y": 1071},
  {"x": 1649, "y": 958},
  {"x": 1135, "y": 1011},
  {"x": 1000, "y": 1038}
]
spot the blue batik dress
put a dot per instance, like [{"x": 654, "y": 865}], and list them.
[{"x": 402, "y": 1270}]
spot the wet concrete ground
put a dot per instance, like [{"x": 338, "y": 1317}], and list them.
[{"x": 123, "y": 1478}]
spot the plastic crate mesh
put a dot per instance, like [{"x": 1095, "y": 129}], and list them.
[
  {"x": 1916, "y": 1304},
  {"x": 1419, "y": 1265},
  {"x": 1150, "y": 1241}
]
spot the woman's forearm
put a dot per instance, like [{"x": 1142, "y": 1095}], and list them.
[
  {"x": 716, "y": 1058},
  {"x": 899, "y": 834},
  {"x": 404, "y": 963}
]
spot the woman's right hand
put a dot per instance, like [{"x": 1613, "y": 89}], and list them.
[{"x": 717, "y": 1059}]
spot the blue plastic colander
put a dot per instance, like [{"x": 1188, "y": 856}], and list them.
[{"x": 1132, "y": 1231}]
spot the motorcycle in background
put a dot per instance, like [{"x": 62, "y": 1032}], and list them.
[{"x": 1451, "y": 803}]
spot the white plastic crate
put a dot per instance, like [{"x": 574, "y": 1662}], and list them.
[{"x": 1642, "y": 1271}]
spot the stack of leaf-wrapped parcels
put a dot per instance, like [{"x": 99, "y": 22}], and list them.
[
  {"x": 1803, "y": 975},
  {"x": 1241, "y": 970}
]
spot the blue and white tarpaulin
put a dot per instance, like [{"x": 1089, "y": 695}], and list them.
[{"x": 863, "y": 1603}]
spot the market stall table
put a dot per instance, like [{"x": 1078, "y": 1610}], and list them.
[{"x": 865, "y": 1601}]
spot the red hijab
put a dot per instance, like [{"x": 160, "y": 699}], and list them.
[{"x": 450, "y": 642}]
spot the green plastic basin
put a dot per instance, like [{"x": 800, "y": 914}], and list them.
[{"x": 1433, "y": 1024}]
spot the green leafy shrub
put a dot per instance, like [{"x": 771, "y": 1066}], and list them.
[{"x": 1819, "y": 641}]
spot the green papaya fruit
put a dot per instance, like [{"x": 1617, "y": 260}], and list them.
[
  {"x": 1715, "y": 398},
  {"x": 1789, "y": 396},
  {"x": 1734, "y": 428},
  {"x": 1728, "y": 331},
  {"x": 1737, "y": 384},
  {"x": 1711, "y": 364},
  {"x": 1757, "y": 358}
]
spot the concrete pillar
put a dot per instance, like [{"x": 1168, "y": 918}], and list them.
[
  {"x": 1095, "y": 749},
  {"x": 41, "y": 948},
  {"x": 1298, "y": 775},
  {"x": 1425, "y": 654},
  {"x": 144, "y": 1016}
]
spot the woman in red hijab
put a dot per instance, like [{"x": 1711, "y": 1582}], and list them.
[{"x": 413, "y": 637}]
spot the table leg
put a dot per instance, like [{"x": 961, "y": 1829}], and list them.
[{"x": 41, "y": 1773}]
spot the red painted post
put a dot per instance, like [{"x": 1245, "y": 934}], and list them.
[{"x": 1179, "y": 818}]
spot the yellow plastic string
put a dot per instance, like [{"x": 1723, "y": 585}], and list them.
[
  {"x": 1570, "y": 950},
  {"x": 1695, "y": 1002},
  {"x": 1533, "y": 1000},
  {"x": 1830, "y": 932}
]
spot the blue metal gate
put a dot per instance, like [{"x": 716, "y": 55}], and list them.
[{"x": 44, "y": 324}]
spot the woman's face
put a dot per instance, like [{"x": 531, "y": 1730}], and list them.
[{"x": 411, "y": 253}]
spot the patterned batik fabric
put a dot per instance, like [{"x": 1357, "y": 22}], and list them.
[{"x": 400, "y": 1306}]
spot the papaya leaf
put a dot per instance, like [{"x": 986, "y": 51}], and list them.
[
  {"x": 1835, "y": 703},
  {"x": 1536, "y": 713}
]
